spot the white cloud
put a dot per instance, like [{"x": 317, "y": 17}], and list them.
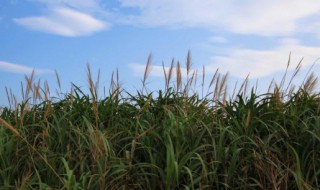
[
  {"x": 239, "y": 62},
  {"x": 261, "y": 63},
  {"x": 264, "y": 17},
  {"x": 82, "y": 5},
  {"x": 20, "y": 69},
  {"x": 65, "y": 22},
  {"x": 156, "y": 71},
  {"x": 218, "y": 39}
]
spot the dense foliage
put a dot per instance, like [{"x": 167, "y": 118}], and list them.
[{"x": 162, "y": 140}]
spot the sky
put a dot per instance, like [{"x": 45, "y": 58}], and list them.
[{"x": 239, "y": 37}]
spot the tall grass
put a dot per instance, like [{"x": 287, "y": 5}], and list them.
[{"x": 170, "y": 139}]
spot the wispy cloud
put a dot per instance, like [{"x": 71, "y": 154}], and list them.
[
  {"x": 218, "y": 39},
  {"x": 260, "y": 63},
  {"x": 239, "y": 62},
  {"x": 81, "y": 5},
  {"x": 65, "y": 22},
  {"x": 265, "y": 17},
  {"x": 20, "y": 69},
  {"x": 156, "y": 71}
]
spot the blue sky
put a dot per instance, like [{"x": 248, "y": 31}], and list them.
[{"x": 239, "y": 37}]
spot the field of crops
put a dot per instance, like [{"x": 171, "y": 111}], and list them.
[{"x": 168, "y": 139}]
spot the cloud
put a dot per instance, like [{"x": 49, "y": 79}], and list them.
[
  {"x": 265, "y": 17},
  {"x": 82, "y": 5},
  {"x": 261, "y": 63},
  {"x": 65, "y": 22},
  {"x": 218, "y": 39},
  {"x": 156, "y": 71},
  {"x": 239, "y": 62},
  {"x": 20, "y": 69}
]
